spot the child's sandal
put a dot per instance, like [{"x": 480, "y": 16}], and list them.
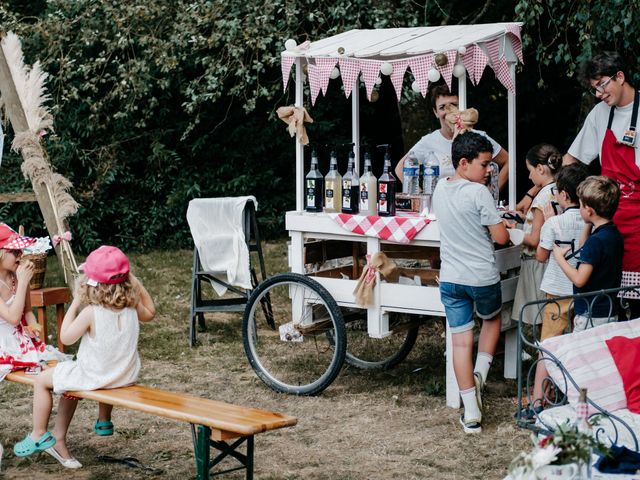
[
  {"x": 104, "y": 429},
  {"x": 28, "y": 446}
]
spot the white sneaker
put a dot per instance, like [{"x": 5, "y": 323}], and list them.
[
  {"x": 65, "y": 462},
  {"x": 472, "y": 426}
]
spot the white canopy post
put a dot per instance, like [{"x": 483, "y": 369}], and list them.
[
  {"x": 462, "y": 92},
  {"x": 511, "y": 107},
  {"x": 355, "y": 123},
  {"x": 299, "y": 147}
]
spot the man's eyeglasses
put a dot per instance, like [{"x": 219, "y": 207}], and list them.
[{"x": 599, "y": 88}]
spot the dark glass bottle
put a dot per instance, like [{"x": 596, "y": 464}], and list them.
[{"x": 315, "y": 186}]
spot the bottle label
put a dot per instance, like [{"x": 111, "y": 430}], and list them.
[
  {"x": 329, "y": 198},
  {"x": 311, "y": 192},
  {"x": 382, "y": 198}
]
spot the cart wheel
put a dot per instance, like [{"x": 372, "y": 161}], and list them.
[
  {"x": 286, "y": 328},
  {"x": 379, "y": 353}
]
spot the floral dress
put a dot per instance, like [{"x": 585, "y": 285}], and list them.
[{"x": 17, "y": 348}]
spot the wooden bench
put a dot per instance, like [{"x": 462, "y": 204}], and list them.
[{"x": 212, "y": 422}]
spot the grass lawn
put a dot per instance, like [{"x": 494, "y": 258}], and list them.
[{"x": 366, "y": 425}]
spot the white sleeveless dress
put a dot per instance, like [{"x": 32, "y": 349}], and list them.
[
  {"x": 17, "y": 348},
  {"x": 109, "y": 359}
]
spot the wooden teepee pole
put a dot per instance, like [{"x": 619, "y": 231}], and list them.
[{"x": 17, "y": 117}]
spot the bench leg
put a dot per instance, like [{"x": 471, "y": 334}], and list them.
[
  {"x": 202, "y": 452},
  {"x": 204, "y": 463}
]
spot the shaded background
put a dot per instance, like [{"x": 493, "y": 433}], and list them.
[{"x": 159, "y": 102}]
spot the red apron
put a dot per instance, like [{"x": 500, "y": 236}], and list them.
[{"x": 619, "y": 164}]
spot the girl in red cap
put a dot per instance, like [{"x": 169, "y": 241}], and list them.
[
  {"x": 19, "y": 331},
  {"x": 115, "y": 301}
]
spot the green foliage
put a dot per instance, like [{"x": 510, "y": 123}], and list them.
[
  {"x": 564, "y": 33},
  {"x": 158, "y": 102}
]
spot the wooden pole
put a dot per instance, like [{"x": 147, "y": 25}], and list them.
[{"x": 17, "y": 118}]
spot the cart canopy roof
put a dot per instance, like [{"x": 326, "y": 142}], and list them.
[{"x": 398, "y": 43}]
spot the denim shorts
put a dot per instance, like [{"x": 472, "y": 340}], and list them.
[{"x": 459, "y": 301}]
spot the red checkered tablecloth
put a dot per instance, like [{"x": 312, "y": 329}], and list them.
[{"x": 395, "y": 229}]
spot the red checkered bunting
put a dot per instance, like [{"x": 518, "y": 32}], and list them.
[
  {"x": 370, "y": 73},
  {"x": 287, "y": 62},
  {"x": 397, "y": 76},
  {"x": 420, "y": 68},
  {"x": 325, "y": 66},
  {"x": 629, "y": 279},
  {"x": 314, "y": 82},
  {"x": 513, "y": 32},
  {"x": 499, "y": 64},
  {"x": 447, "y": 70},
  {"x": 477, "y": 64},
  {"x": 349, "y": 71},
  {"x": 393, "y": 229}
]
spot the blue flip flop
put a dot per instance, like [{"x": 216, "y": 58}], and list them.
[
  {"x": 104, "y": 429},
  {"x": 28, "y": 447}
]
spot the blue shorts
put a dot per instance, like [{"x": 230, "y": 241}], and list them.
[{"x": 459, "y": 300}]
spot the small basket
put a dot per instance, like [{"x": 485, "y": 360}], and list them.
[{"x": 39, "y": 261}]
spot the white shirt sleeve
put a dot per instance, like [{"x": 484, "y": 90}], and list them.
[
  {"x": 586, "y": 145},
  {"x": 495, "y": 145},
  {"x": 547, "y": 234},
  {"x": 485, "y": 204}
]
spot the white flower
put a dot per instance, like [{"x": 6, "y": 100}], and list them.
[{"x": 544, "y": 456}]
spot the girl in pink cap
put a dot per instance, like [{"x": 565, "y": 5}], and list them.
[
  {"x": 115, "y": 301},
  {"x": 20, "y": 345}
]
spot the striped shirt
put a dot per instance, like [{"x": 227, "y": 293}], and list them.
[{"x": 565, "y": 227}]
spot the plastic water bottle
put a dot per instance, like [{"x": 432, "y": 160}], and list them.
[
  {"x": 431, "y": 173},
  {"x": 410, "y": 172}
]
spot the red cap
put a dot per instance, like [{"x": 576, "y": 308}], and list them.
[
  {"x": 11, "y": 240},
  {"x": 106, "y": 265}
]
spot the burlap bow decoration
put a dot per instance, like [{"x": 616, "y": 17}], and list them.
[
  {"x": 378, "y": 262},
  {"x": 295, "y": 118},
  {"x": 460, "y": 121}
]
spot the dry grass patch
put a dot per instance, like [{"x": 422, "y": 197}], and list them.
[{"x": 366, "y": 425}]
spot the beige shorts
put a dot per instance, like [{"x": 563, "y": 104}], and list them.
[{"x": 555, "y": 317}]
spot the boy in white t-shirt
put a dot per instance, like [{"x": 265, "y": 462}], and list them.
[
  {"x": 469, "y": 277},
  {"x": 564, "y": 229}
]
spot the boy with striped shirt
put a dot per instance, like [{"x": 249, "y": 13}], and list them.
[{"x": 564, "y": 229}]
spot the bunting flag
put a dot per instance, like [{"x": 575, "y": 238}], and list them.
[
  {"x": 514, "y": 33},
  {"x": 447, "y": 70},
  {"x": 420, "y": 68},
  {"x": 467, "y": 60},
  {"x": 397, "y": 76},
  {"x": 499, "y": 64},
  {"x": 349, "y": 71},
  {"x": 287, "y": 62},
  {"x": 314, "y": 81},
  {"x": 324, "y": 66},
  {"x": 370, "y": 73},
  {"x": 480, "y": 61}
]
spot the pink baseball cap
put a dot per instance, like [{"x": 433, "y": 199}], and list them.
[
  {"x": 107, "y": 265},
  {"x": 12, "y": 240}
]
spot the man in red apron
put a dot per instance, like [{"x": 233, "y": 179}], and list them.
[{"x": 610, "y": 132}]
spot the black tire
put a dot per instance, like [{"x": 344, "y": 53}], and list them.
[
  {"x": 303, "y": 367},
  {"x": 380, "y": 353}
]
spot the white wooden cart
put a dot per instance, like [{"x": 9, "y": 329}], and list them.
[{"x": 472, "y": 46}]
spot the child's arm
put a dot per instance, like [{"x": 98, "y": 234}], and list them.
[
  {"x": 13, "y": 313},
  {"x": 75, "y": 325},
  {"x": 499, "y": 233},
  {"x": 532, "y": 239},
  {"x": 542, "y": 254},
  {"x": 145, "y": 308},
  {"x": 578, "y": 276}
]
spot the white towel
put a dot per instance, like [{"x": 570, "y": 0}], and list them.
[{"x": 217, "y": 229}]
